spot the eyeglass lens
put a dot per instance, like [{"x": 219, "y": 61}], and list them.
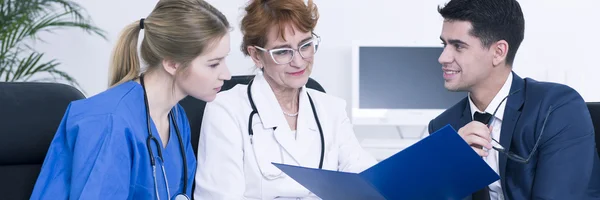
[{"x": 285, "y": 55}]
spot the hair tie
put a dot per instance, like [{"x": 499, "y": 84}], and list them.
[{"x": 142, "y": 23}]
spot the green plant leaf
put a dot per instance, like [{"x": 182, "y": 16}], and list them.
[
  {"x": 21, "y": 21},
  {"x": 31, "y": 66},
  {"x": 26, "y": 66}
]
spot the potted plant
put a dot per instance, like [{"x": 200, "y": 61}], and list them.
[{"x": 20, "y": 23}]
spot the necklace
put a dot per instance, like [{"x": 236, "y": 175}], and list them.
[{"x": 290, "y": 114}]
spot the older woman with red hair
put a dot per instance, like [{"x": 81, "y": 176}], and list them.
[{"x": 275, "y": 119}]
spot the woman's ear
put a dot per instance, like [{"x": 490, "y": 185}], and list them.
[
  {"x": 255, "y": 54},
  {"x": 170, "y": 66}
]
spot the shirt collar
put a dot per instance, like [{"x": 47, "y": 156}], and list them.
[{"x": 504, "y": 91}]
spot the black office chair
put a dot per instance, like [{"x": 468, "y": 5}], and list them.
[
  {"x": 29, "y": 116},
  {"x": 594, "y": 108},
  {"x": 194, "y": 108}
]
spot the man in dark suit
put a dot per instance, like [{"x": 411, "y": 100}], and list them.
[{"x": 538, "y": 136}]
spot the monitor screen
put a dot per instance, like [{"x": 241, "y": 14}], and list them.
[{"x": 402, "y": 78}]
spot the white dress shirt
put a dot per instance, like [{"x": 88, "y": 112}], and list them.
[{"x": 496, "y": 123}]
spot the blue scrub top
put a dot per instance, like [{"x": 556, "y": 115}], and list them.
[{"x": 100, "y": 152}]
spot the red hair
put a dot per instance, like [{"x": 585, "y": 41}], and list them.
[{"x": 263, "y": 14}]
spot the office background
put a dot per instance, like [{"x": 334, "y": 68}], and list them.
[{"x": 561, "y": 45}]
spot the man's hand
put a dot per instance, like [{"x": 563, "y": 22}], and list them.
[{"x": 477, "y": 135}]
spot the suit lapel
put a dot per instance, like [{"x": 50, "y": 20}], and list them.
[
  {"x": 512, "y": 113},
  {"x": 466, "y": 115}
]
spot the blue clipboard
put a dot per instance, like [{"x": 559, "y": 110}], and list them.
[{"x": 440, "y": 166}]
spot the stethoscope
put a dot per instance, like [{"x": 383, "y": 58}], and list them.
[
  {"x": 255, "y": 111},
  {"x": 152, "y": 139}
]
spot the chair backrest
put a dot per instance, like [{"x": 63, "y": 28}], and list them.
[
  {"x": 194, "y": 108},
  {"x": 29, "y": 116},
  {"x": 594, "y": 108}
]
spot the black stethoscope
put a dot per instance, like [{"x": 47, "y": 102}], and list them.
[
  {"x": 152, "y": 139},
  {"x": 312, "y": 105}
]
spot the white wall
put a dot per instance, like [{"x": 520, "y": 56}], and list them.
[{"x": 561, "y": 40}]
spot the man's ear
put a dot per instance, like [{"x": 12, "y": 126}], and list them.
[
  {"x": 170, "y": 66},
  {"x": 500, "y": 50},
  {"x": 255, "y": 54}
]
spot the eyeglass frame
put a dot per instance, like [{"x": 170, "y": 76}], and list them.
[
  {"x": 270, "y": 51},
  {"x": 502, "y": 149}
]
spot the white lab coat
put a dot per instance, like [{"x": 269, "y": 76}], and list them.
[{"x": 229, "y": 166}]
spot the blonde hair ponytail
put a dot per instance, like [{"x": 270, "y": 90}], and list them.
[
  {"x": 125, "y": 62},
  {"x": 179, "y": 30}
]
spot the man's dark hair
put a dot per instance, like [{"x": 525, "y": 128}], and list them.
[{"x": 492, "y": 21}]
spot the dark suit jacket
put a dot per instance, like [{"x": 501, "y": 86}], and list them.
[{"x": 566, "y": 164}]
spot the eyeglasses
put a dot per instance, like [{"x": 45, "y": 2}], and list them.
[
  {"x": 512, "y": 155},
  {"x": 286, "y": 55}
]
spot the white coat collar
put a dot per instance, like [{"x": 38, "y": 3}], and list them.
[{"x": 271, "y": 115}]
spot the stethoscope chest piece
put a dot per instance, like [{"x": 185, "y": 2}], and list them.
[{"x": 182, "y": 197}]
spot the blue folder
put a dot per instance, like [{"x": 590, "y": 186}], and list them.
[{"x": 440, "y": 166}]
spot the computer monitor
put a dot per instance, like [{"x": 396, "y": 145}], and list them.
[{"x": 398, "y": 85}]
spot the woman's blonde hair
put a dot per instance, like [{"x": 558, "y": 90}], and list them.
[{"x": 178, "y": 30}]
